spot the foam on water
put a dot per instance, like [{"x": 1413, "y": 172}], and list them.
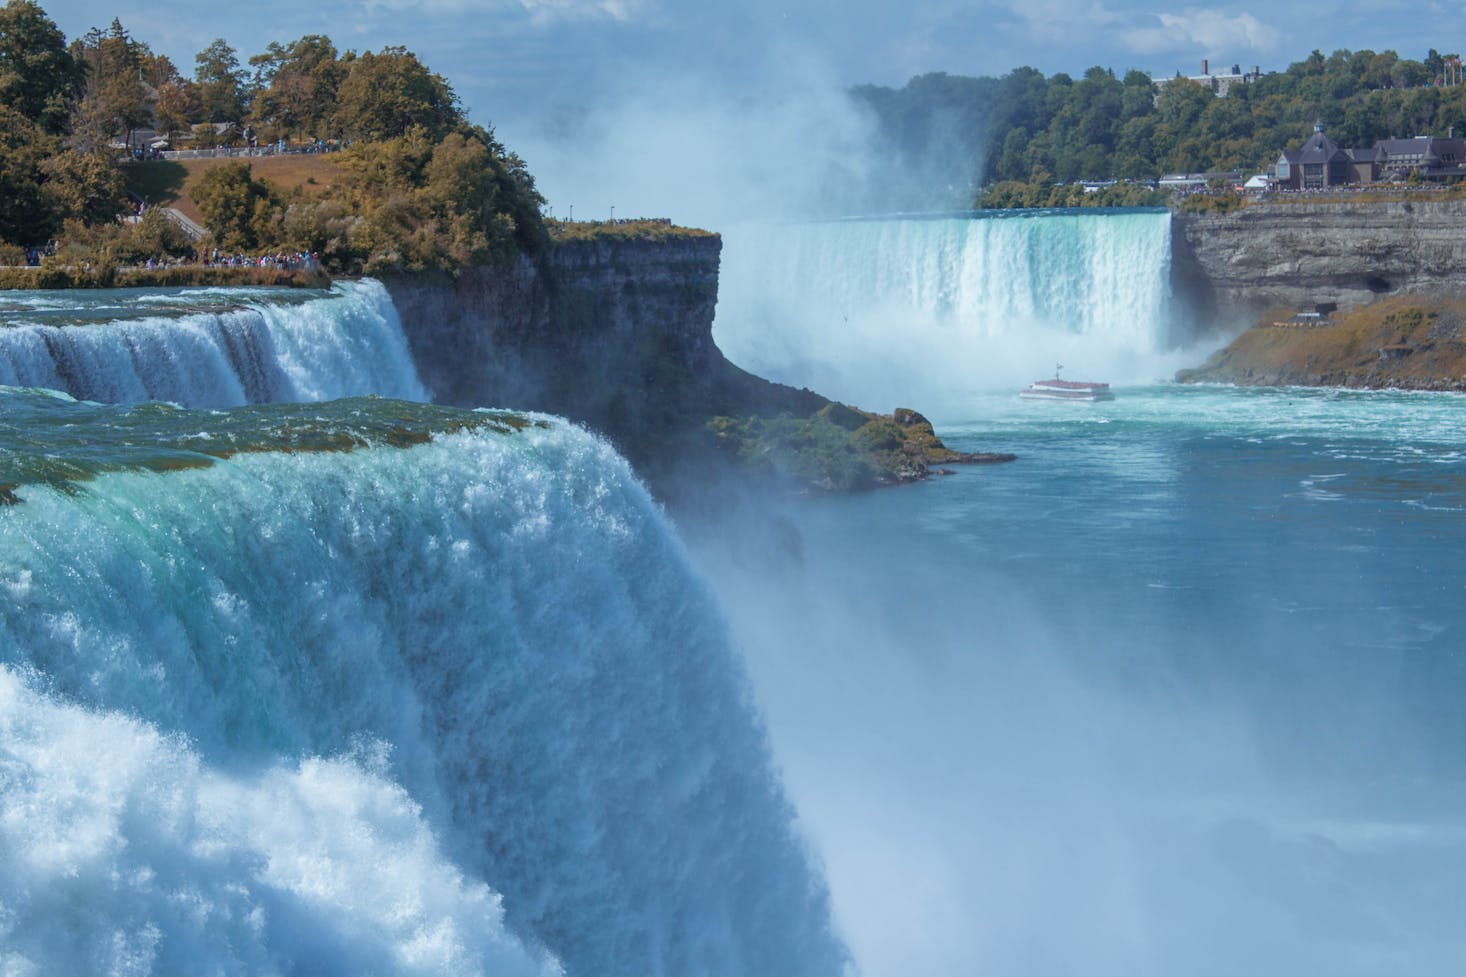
[
  {"x": 316, "y": 712},
  {"x": 923, "y": 312},
  {"x": 126, "y": 853},
  {"x": 210, "y": 347}
]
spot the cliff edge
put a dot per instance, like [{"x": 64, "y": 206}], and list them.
[
  {"x": 1233, "y": 267},
  {"x": 615, "y": 332}
]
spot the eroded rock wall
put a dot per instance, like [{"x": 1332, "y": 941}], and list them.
[
  {"x": 562, "y": 333},
  {"x": 1233, "y": 267}
]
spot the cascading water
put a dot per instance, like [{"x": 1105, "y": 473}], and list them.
[
  {"x": 209, "y": 347},
  {"x": 923, "y": 311},
  {"x": 272, "y": 705}
]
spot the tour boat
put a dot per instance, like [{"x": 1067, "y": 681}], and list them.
[{"x": 1057, "y": 389}]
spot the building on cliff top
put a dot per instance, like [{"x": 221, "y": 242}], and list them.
[
  {"x": 1320, "y": 163},
  {"x": 1219, "y": 84}
]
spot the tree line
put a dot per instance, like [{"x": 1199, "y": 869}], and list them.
[
  {"x": 1036, "y": 130},
  {"x": 422, "y": 187}
]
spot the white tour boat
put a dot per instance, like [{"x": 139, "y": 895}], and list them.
[{"x": 1057, "y": 389}]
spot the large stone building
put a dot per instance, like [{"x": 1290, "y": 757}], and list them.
[
  {"x": 1320, "y": 163},
  {"x": 1220, "y": 84}
]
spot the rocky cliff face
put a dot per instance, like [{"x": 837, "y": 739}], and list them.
[
  {"x": 1233, "y": 267},
  {"x": 565, "y": 334},
  {"x": 616, "y": 333}
]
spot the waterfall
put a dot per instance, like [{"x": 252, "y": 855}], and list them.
[
  {"x": 211, "y": 347},
  {"x": 436, "y": 709},
  {"x": 926, "y": 310}
]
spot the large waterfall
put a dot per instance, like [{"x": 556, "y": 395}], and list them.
[
  {"x": 453, "y": 708},
  {"x": 208, "y": 347},
  {"x": 923, "y": 311}
]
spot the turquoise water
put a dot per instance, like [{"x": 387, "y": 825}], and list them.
[
  {"x": 208, "y": 347},
  {"x": 371, "y": 685},
  {"x": 1178, "y": 691}
]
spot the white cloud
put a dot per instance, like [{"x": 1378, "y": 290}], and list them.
[
  {"x": 540, "y": 13},
  {"x": 1201, "y": 29},
  {"x": 548, "y": 11}
]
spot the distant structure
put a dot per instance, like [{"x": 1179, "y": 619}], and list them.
[
  {"x": 1219, "y": 84},
  {"x": 1320, "y": 163}
]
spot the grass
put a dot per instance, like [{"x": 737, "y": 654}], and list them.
[
  {"x": 632, "y": 230},
  {"x": 170, "y": 183},
  {"x": 1412, "y": 342}
]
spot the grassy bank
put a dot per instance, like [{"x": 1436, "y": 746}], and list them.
[
  {"x": 171, "y": 183},
  {"x": 1405, "y": 342}
]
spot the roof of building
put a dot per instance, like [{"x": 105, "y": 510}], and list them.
[{"x": 1320, "y": 149}]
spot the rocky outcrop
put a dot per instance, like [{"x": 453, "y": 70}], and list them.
[
  {"x": 1232, "y": 267},
  {"x": 1404, "y": 342},
  {"x": 616, "y": 333},
  {"x": 570, "y": 333}
]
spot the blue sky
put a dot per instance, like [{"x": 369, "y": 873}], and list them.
[
  {"x": 589, "y": 91},
  {"x": 511, "y": 57}
]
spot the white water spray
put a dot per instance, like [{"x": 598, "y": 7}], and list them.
[
  {"x": 344, "y": 344},
  {"x": 496, "y": 643},
  {"x": 922, "y": 312}
]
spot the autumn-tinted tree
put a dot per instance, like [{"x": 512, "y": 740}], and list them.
[
  {"x": 38, "y": 76},
  {"x": 176, "y": 106},
  {"x": 116, "y": 101},
  {"x": 85, "y": 186},
  {"x": 235, "y": 207},
  {"x": 384, "y": 95}
]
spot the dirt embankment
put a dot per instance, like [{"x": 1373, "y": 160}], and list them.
[{"x": 1410, "y": 342}]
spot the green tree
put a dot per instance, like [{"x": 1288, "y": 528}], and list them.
[
  {"x": 26, "y": 216},
  {"x": 38, "y": 76},
  {"x": 221, "y": 83}
]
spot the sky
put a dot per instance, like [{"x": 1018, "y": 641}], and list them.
[{"x": 553, "y": 75}]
